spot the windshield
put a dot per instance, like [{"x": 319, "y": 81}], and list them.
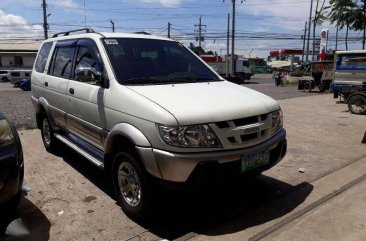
[{"x": 147, "y": 61}]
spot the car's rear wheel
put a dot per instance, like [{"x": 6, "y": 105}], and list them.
[
  {"x": 357, "y": 104},
  {"x": 48, "y": 136},
  {"x": 130, "y": 185}
]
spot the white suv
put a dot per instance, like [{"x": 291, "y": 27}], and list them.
[{"x": 146, "y": 108}]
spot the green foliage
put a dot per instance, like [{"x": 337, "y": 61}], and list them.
[{"x": 199, "y": 50}]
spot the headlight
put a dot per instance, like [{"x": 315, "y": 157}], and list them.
[
  {"x": 6, "y": 135},
  {"x": 277, "y": 121},
  {"x": 189, "y": 136}
]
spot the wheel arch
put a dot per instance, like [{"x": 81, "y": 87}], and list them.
[
  {"x": 42, "y": 108},
  {"x": 126, "y": 137},
  {"x": 354, "y": 94}
]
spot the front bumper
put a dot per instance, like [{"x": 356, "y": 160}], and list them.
[
  {"x": 11, "y": 172},
  {"x": 185, "y": 167}
]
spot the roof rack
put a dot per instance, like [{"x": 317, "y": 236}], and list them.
[
  {"x": 144, "y": 33},
  {"x": 67, "y": 33}
]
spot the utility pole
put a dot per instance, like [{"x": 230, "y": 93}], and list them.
[
  {"x": 364, "y": 24},
  {"x": 233, "y": 42},
  {"x": 200, "y": 25},
  {"x": 233, "y": 39},
  {"x": 45, "y": 24},
  {"x": 303, "y": 46},
  {"x": 112, "y": 22},
  {"x": 314, "y": 26},
  {"x": 309, "y": 27},
  {"x": 228, "y": 45},
  {"x": 169, "y": 25}
]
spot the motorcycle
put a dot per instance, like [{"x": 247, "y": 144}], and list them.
[{"x": 279, "y": 79}]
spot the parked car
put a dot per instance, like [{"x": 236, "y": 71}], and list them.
[
  {"x": 17, "y": 75},
  {"x": 11, "y": 166},
  {"x": 147, "y": 109},
  {"x": 5, "y": 75}
]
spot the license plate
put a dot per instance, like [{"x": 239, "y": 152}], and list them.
[{"x": 252, "y": 161}]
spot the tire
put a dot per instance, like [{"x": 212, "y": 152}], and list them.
[
  {"x": 321, "y": 88},
  {"x": 307, "y": 86},
  {"x": 357, "y": 104},
  {"x": 48, "y": 136},
  {"x": 131, "y": 186}
]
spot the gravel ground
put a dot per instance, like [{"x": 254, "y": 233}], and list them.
[{"x": 17, "y": 105}]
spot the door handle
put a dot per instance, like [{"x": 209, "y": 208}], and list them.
[
  {"x": 46, "y": 84},
  {"x": 71, "y": 91}
]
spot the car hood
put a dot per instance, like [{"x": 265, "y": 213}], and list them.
[{"x": 198, "y": 103}]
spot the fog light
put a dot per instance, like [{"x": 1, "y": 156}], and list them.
[{"x": 2, "y": 185}]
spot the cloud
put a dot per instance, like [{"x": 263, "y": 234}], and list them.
[
  {"x": 281, "y": 13},
  {"x": 68, "y": 4},
  {"x": 14, "y": 26},
  {"x": 164, "y": 3}
]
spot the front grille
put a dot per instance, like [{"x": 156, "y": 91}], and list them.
[{"x": 243, "y": 132}]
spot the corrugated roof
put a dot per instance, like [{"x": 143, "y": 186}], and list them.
[{"x": 19, "y": 46}]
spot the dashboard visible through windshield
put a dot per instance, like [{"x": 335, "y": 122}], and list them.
[{"x": 148, "y": 61}]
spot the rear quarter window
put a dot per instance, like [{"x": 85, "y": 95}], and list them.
[{"x": 42, "y": 57}]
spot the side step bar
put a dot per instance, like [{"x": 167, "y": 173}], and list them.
[{"x": 91, "y": 153}]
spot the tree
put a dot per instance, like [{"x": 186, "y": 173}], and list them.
[
  {"x": 359, "y": 23},
  {"x": 339, "y": 15},
  {"x": 197, "y": 49},
  {"x": 348, "y": 18}
]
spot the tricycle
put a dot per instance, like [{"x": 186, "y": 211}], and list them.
[
  {"x": 321, "y": 76},
  {"x": 355, "y": 97}
]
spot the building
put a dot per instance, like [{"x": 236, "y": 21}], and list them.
[{"x": 18, "y": 55}]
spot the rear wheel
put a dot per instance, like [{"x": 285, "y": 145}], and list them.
[
  {"x": 131, "y": 185},
  {"x": 357, "y": 104},
  {"x": 307, "y": 86},
  {"x": 48, "y": 136}
]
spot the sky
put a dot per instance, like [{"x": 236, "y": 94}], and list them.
[{"x": 262, "y": 25}]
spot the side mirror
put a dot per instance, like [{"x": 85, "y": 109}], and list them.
[{"x": 88, "y": 74}]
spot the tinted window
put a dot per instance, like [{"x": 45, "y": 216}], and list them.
[
  {"x": 62, "y": 62},
  {"x": 15, "y": 74},
  {"x": 147, "y": 61},
  {"x": 351, "y": 61},
  {"x": 42, "y": 57}
]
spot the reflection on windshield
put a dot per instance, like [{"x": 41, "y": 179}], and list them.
[{"x": 147, "y": 61}]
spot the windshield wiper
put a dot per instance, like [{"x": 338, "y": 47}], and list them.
[
  {"x": 191, "y": 79},
  {"x": 146, "y": 80}
]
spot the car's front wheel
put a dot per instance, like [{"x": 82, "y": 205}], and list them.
[{"x": 131, "y": 185}]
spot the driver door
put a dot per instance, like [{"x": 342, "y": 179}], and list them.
[{"x": 85, "y": 96}]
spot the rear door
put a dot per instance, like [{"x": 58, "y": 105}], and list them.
[
  {"x": 59, "y": 74},
  {"x": 85, "y": 97}
]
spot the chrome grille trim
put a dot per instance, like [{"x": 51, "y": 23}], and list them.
[{"x": 231, "y": 136}]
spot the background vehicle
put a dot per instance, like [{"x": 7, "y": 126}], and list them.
[
  {"x": 4, "y": 75},
  {"x": 321, "y": 76},
  {"x": 144, "y": 109},
  {"x": 355, "y": 97},
  {"x": 16, "y": 76},
  {"x": 11, "y": 166},
  {"x": 243, "y": 71},
  {"x": 350, "y": 71}
]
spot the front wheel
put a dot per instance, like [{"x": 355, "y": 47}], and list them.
[
  {"x": 130, "y": 185},
  {"x": 357, "y": 104}
]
